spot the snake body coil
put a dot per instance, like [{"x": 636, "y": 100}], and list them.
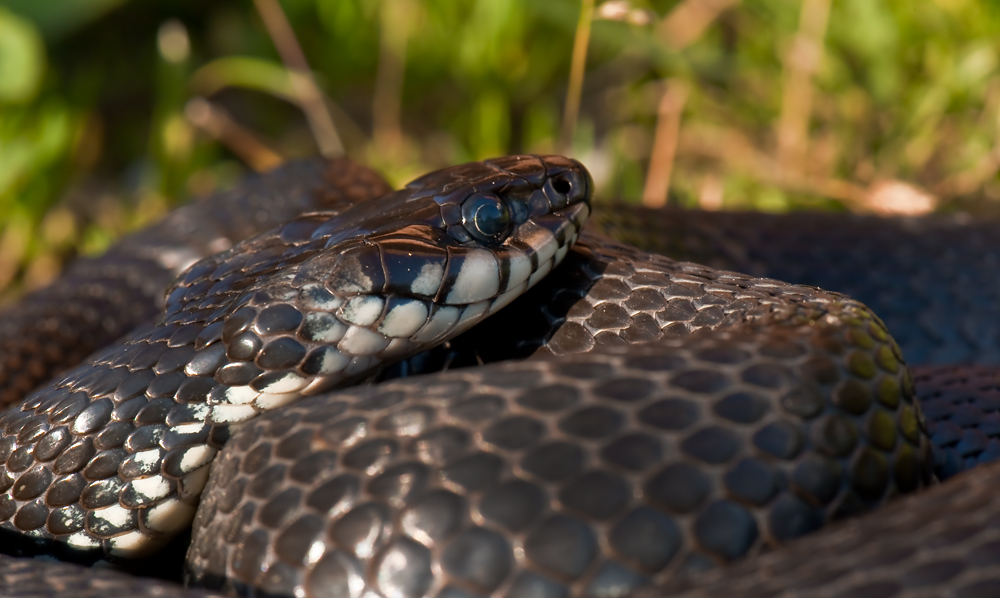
[
  {"x": 608, "y": 469},
  {"x": 755, "y": 411}
]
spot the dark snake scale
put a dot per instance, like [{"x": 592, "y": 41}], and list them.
[{"x": 646, "y": 421}]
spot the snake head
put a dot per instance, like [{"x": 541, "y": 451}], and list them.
[
  {"x": 484, "y": 231},
  {"x": 330, "y": 298},
  {"x": 420, "y": 265}
]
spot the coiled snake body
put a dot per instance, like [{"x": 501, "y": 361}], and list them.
[{"x": 754, "y": 412}]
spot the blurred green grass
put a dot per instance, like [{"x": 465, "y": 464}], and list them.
[{"x": 95, "y": 139}]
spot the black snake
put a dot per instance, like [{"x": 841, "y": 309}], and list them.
[{"x": 595, "y": 468}]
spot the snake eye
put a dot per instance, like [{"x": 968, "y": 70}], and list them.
[{"x": 486, "y": 218}]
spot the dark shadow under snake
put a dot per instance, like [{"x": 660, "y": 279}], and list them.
[{"x": 611, "y": 467}]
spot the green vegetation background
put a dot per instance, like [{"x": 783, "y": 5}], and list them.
[{"x": 95, "y": 138}]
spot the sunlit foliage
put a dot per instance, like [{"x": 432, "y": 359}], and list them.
[{"x": 98, "y": 133}]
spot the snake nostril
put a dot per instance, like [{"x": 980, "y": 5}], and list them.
[{"x": 562, "y": 186}]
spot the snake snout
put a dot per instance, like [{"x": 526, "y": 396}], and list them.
[{"x": 569, "y": 182}]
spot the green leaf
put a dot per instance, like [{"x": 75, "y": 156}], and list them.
[
  {"x": 22, "y": 58},
  {"x": 56, "y": 19},
  {"x": 240, "y": 71}
]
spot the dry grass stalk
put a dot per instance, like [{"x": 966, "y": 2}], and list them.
[
  {"x": 737, "y": 153},
  {"x": 309, "y": 96},
  {"x": 574, "y": 90},
  {"x": 801, "y": 63},
  {"x": 975, "y": 177},
  {"x": 387, "y": 102},
  {"x": 688, "y": 21},
  {"x": 661, "y": 159},
  {"x": 214, "y": 121}
]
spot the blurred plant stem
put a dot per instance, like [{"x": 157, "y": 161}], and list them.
[
  {"x": 13, "y": 246},
  {"x": 272, "y": 79},
  {"x": 217, "y": 123},
  {"x": 689, "y": 19},
  {"x": 171, "y": 139},
  {"x": 574, "y": 89},
  {"x": 986, "y": 167},
  {"x": 685, "y": 23},
  {"x": 301, "y": 77},
  {"x": 661, "y": 159},
  {"x": 395, "y": 22},
  {"x": 801, "y": 62}
]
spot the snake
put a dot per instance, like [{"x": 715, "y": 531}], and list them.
[{"x": 664, "y": 419}]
